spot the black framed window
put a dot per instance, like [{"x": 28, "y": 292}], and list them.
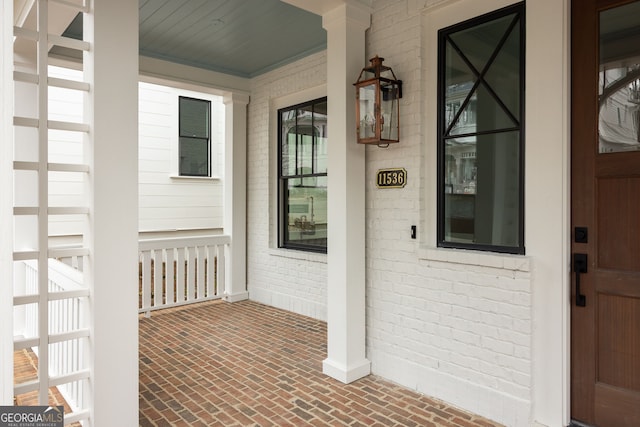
[
  {"x": 302, "y": 176},
  {"x": 194, "y": 127},
  {"x": 481, "y": 132}
]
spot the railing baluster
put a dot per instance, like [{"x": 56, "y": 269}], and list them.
[
  {"x": 200, "y": 261},
  {"x": 220, "y": 270},
  {"x": 146, "y": 280},
  {"x": 170, "y": 277},
  {"x": 157, "y": 278},
  {"x": 191, "y": 272},
  {"x": 210, "y": 254},
  {"x": 180, "y": 276}
]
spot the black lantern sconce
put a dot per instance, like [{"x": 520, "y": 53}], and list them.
[{"x": 377, "y": 104}]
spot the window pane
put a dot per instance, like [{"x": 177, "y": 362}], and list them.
[
  {"x": 504, "y": 75},
  {"x": 194, "y": 157},
  {"x": 484, "y": 110},
  {"x": 482, "y": 191},
  {"x": 194, "y": 117},
  {"x": 482, "y": 113},
  {"x": 481, "y": 101},
  {"x": 306, "y": 208},
  {"x": 305, "y": 153},
  {"x": 289, "y": 140},
  {"x": 459, "y": 81},
  {"x": 619, "y": 80},
  {"x": 303, "y": 176},
  {"x": 320, "y": 124},
  {"x": 321, "y": 155},
  {"x": 367, "y": 99},
  {"x": 479, "y": 42}
]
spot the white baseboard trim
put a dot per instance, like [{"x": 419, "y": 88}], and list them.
[
  {"x": 345, "y": 374},
  {"x": 240, "y": 296}
]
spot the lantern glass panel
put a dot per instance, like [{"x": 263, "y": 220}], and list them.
[
  {"x": 367, "y": 100},
  {"x": 389, "y": 94}
]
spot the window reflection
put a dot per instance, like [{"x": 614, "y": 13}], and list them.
[
  {"x": 619, "y": 80},
  {"x": 619, "y": 109},
  {"x": 303, "y": 176},
  {"x": 481, "y": 102}
]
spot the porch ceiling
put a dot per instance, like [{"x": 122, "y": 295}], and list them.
[{"x": 243, "y": 38}]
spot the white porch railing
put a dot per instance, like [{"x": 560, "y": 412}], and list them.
[
  {"x": 67, "y": 314},
  {"x": 173, "y": 272},
  {"x": 181, "y": 271}
]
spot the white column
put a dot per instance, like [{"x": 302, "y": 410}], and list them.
[
  {"x": 6, "y": 202},
  {"x": 346, "y": 359},
  {"x": 548, "y": 202},
  {"x": 111, "y": 68},
  {"x": 235, "y": 195}
]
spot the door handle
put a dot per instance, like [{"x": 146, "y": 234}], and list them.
[{"x": 579, "y": 266}]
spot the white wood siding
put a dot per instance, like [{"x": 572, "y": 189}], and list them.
[
  {"x": 166, "y": 202},
  {"x": 66, "y": 188}
]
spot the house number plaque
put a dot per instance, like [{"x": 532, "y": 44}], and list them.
[{"x": 391, "y": 178}]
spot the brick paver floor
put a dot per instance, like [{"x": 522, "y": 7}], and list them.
[
  {"x": 25, "y": 368},
  {"x": 247, "y": 364}
]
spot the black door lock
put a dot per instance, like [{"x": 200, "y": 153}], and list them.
[{"x": 581, "y": 235}]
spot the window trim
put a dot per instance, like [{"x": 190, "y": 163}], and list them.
[
  {"x": 518, "y": 8},
  {"x": 281, "y": 181},
  {"x": 208, "y": 139}
]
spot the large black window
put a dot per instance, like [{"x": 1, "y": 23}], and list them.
[
  {"x": 481, "y": 133},
  {"x": 302, "y": 176},
  {"x": 194, "y": 137}
]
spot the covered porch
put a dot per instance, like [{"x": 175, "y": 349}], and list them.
[{"x": 248, "y": 364}]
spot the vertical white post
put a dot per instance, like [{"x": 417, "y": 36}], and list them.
[
  {"x": 235, "y": 195},
  {"x": 6, "y": 202},
  {"x": 346, "y": 360},
  {"x": 111, "y": 68},
  {"x": 42, "y": 65}
]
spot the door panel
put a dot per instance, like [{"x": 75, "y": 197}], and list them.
[
  {"x": 605, "y": 332},
  {"x": 618, "y": 211},
  {"x": 619, "y": 339},
  {"x": 615, "y": 407}
]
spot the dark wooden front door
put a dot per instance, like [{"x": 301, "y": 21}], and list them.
[{"x": 605, "y": 162}]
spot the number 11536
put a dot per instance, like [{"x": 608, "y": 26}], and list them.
[{"x": 391, "y": 178}]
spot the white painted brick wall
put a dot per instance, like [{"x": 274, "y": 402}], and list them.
[
  {"x": 291, "y": 280},
  {"x": 452, "y": 324},
  {"x": 456, "y": 325}
]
